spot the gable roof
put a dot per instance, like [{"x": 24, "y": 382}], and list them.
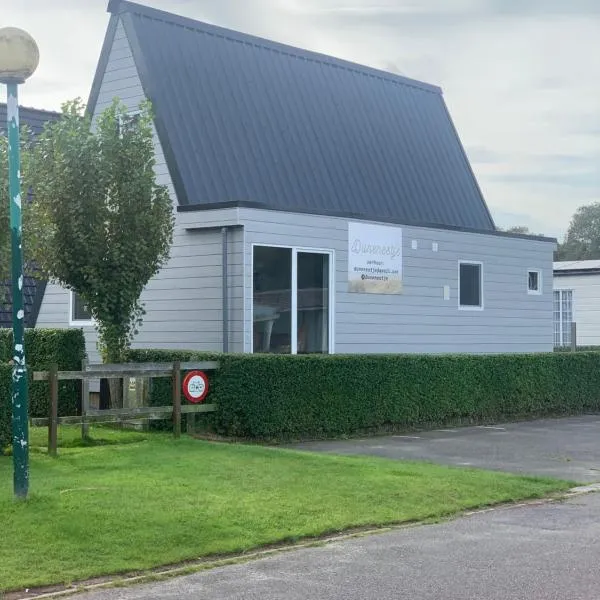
[
  {"x": 33, "y": 289},
  {"x": 243, "y": 120}
]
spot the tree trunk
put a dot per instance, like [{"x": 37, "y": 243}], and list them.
[{"x": 116, "y": 393}]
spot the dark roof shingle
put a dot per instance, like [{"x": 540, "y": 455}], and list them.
[{"x": 246, "y": 120}]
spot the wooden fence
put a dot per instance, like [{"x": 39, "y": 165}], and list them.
[{"x": 119, "y": 371}]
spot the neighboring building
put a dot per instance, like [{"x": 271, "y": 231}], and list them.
[
  {"x": 33, "y": 289},
  {"x": 577, "y": 299},
  {"x": 340, "y": 197}
]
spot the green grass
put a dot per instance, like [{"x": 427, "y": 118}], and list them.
[{"x": 105, "y": 509}]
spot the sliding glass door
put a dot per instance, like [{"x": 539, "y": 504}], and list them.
[{"x": 291, "y": 303}]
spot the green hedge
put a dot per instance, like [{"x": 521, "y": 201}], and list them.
[
  {"x": 43, "y": 347},
  {"x": 5, "y": 406},
  {"x": 579, "y": 348},
  {"x": 292, "y": 397}
]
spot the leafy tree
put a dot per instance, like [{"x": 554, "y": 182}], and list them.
[
  {"x": 582, "y": 241},
  {"x": 105, "y": 225},
  {"x": 522, "y": 229},
  {"x": 30, "y": 233}
]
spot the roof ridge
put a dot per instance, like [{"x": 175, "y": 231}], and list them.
[{"x": 121, "y": 6}]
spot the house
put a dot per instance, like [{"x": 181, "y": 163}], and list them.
[
  {"x": 33, "y": 289},
  {"x": 577, "y": 299},
  {"x": 321, "y": 206}
]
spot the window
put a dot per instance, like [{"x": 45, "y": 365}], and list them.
[
  {"x": 563, "y": 317},
  {"x": 470, "y": 285},
  {"x": 125, "y": 122},
  {"x": 534, "y": 282},
  {"x": 291, "y": 302},
  {"x": 79, "y": 314}
]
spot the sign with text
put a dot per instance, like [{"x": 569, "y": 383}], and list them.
[{"x": 374, "y": 259}]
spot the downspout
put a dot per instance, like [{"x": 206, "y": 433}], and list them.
[{"x": 225, "y": 278}]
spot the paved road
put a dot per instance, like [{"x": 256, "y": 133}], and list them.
[
  {"x": 543, "y": 552},
  {"x": 564, "y": 448}
]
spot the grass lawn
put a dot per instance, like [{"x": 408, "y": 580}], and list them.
[{"x": 128, "y": 506}]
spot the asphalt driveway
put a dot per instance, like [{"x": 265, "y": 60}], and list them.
[
  {"x": 566, "y": 448},
  {"x": 546, "y": 552}
]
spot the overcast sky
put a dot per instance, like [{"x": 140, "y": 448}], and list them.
[{"x": 521, "y": 77}]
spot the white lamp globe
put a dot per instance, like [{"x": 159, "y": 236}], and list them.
[{"x": 19, "y": 55}]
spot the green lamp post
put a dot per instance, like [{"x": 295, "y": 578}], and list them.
[{"x": 19, "y": 57}]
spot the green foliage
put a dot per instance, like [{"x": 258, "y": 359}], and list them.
[
  {"x": 107, "y": 225},
  {"x": 286, "y": 397},
  {"x": 116, "y": 509},
  {"x": 582, "y": 241},
  {"x": 578, "y": 349},
  {"x": 43, "y": 347},
  {"x": 31, "y": 237},
  {"x": 5, "y": 405}
]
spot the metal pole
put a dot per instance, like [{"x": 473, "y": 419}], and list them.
[{"x": 19, "y": 375}]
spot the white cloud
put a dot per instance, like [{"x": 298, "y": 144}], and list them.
[{"x": 521, "y": 77}]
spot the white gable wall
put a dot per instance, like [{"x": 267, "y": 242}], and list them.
[
  {"x": 586, "y": 305},
  {"x": 184, "y": 301}
]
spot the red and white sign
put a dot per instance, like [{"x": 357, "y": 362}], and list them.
[{"x": 195, "y": 386}]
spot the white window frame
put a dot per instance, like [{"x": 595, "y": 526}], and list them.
[
  {"x": 294, "y": 305},
  {"x": 77, "y": 322},
  {"x": 130, "y": 114},
  {"x": 573, "y": 319},
  {"x": 481, "y": 280},
  {"x": 537, "y": 292}
]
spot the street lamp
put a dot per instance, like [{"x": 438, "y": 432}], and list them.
[{"x": 19, "y": 57}]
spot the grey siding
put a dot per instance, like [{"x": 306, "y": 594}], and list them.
[
  {"x": 420, "y": 320},
  {"x": 586, "y": 305},
  {"x": 184, "y": 301}
]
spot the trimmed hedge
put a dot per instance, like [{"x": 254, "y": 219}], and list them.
[
  {"x": 578, "y": 349},
  {"x": 280, "y": 397},
  {"x": 5, "y": 406},
  {"x": 66, "y": 348}
]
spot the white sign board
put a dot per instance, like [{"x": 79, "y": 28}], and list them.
[{"x": 374, "y": 259}]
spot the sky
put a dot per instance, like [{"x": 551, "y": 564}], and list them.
[{"x": 521, "y": 78}]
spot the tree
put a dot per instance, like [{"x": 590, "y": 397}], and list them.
[
  {"x": 520, "y": 229},
  {"x": 582, "y": 241},
  {"x": 105, "y": 224},
  {"x": 30, "y": 234}
]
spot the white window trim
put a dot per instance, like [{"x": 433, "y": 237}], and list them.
[
  {"x": 294, "y": 306},
  {"x": 481, "y": 280},
  {"x": 573, "y": 316},
  {"x": 78, "y": 322},
  {"x": 130, "y": 114},
  {"x": 537, "y": 292}
]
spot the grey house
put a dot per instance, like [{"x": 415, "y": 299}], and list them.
[{"x": 321, "y": 206}]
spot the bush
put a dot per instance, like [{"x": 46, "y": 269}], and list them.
[
  {"x": 311, "y": 396},
  {"x": 43, "y": 347},
  {"x": 578, "y": 349},
  {"x": 5, "y": 406}
]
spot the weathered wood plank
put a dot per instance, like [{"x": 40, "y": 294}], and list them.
[
  {"x": 109, "y": 416},
  {"x": 177, "y": 399},
  {"x": 53, "y": 425},
  {"x": 127, "y": 370}
]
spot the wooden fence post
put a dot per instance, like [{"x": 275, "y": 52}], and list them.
[
  {"x": 85, "y": 401},
  {"x": 177, "y": 399},
  {"x": 573, "y": 336},
  {"x": 53, "y": 423}
]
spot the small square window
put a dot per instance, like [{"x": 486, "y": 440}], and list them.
[
  {"x": 534, "y": 282},
  {"x": 79, "y": 311},
  {"x": 470, "y": 288}
]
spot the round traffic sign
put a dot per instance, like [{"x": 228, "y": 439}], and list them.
[{"x": 195, "y": 386}]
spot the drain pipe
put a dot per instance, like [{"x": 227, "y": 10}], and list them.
[{"x": 225, "y": 281}]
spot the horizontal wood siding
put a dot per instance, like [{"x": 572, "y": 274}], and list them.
[
  {"x": 419, "y": 319},
  {"x": 184, "y": 302},
  {"x": 586, "y": 305}
]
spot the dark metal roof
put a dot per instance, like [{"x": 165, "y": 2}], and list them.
[
  {"x": 242, "y": 119},
  {"x": 33, "y": 289}
]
